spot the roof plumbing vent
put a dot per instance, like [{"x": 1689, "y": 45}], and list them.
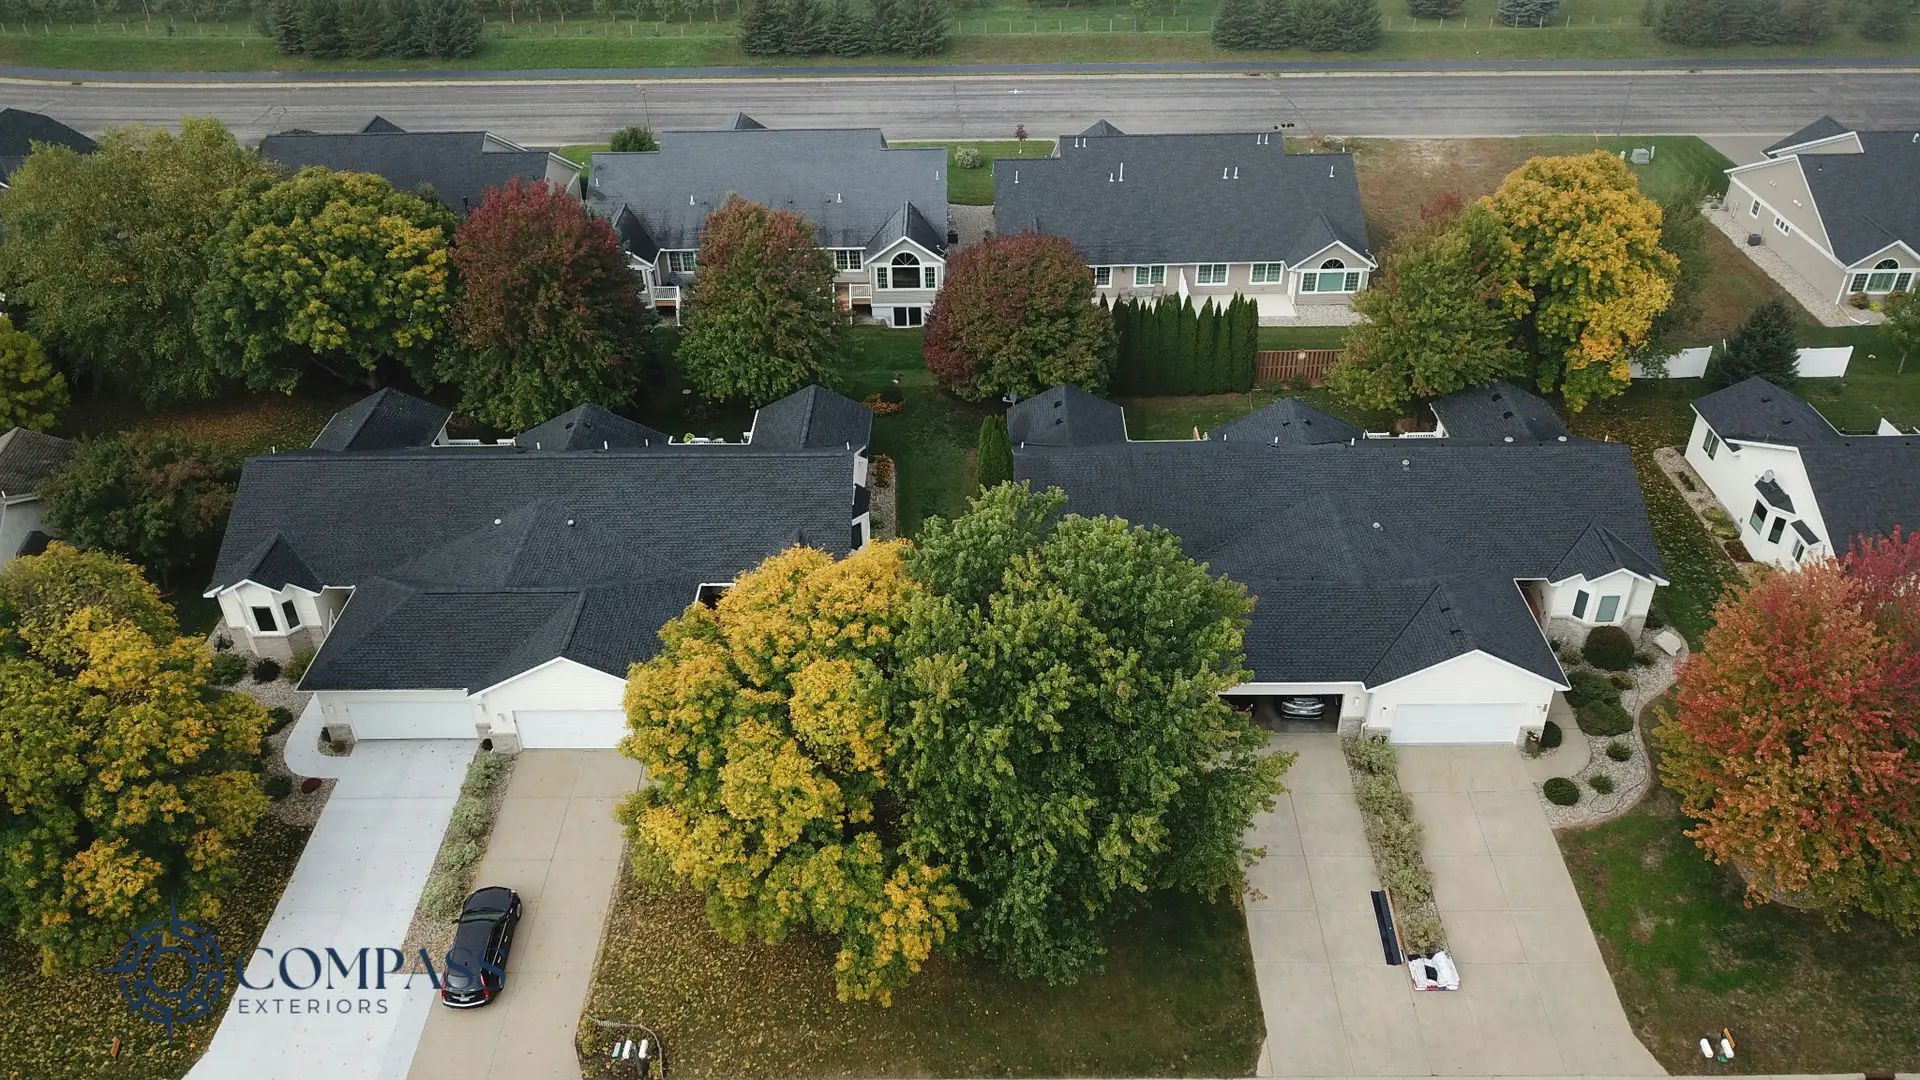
[
  {"x": 1767, "y": 477},
  {"x": 496, "y": 521}
]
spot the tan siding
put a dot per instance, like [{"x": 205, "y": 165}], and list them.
[
  {"x": 1800, "y": 252},
  {"x": 1783, "y": 187}
]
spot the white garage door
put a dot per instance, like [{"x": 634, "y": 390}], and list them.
[
  {"x": 412, "y": 720},
  {"x": 1490, "y": 723},
  {"x": 570, "y": 729}
]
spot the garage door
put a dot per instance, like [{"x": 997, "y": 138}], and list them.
[
  {"x": 412, "y": 720},
  {"x": 1490, "y": 723},
  {"x": 570, "y": 729}
]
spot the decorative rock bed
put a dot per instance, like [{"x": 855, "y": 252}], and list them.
[{"x": 1583, "y": 757}]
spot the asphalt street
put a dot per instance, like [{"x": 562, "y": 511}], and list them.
[{"x": 1386, "y": 104}]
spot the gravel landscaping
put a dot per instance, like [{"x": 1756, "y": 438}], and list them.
[
  {"x": 1820, "y": 307},
  {"x": 1584, "y": 758}
]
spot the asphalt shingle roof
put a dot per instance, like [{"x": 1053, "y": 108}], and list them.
[
  {"x": 20, "y": 129},
  {"x": 1755, "y": 410},
  {"x": 474, "y": 563},
  {"x": 589, "y": 427},
  {"x": 1288, "y": 422},
  {"x": 1134, "y": 199},
  {"x": 1868, "y": 201},
  {"x": 457, "y": 165},
  {"x": 384, "y": 420},
  {"x": 1374, "y": 559},
  {"x": 848, "y": 183},
  {"x": 27, "y": 458},
  {"x": 1824, "y": 128},
  {"x": 1497, "y": 412},
  {"x": 812, "y": 419},
  {"x": 1066, "y": 416}
]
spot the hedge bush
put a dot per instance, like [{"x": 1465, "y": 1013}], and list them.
[
  {"x": 1381, "y": 794},
  {"x": 1608, "y": 647},
  {"x": 1603, "y": 719},
  {"x": 968, "y": 157},
  {"x": 1421, "y": 934},
  {"x": 278, "y": 787},
  {"x": 1601, "y": 783},
  {"x": 1621, "y": 680},
  {"x": 1375, "y": 756},
  {"x": 1561, "y": 791},
  {"x": 296, "y": 668},
  {"x": 282, "y": 716},
  {"x": 1586, "y": 687},
  {"x": 1167, "y": 346},
  {"x": 266, "y": 669},
  {"x": 1550, "y": 735},
  {"x": 228, "y": 668},
  {"x": 1619, "y": 751}
]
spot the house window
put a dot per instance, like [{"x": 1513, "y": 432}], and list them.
[
  {"x": 1759, "y": 517},
  {"x": 1609, "y": 609},
  {"x": 1711, "y": 444},
  {"x": 263, "y": 620},
  {"x": 932, "y": 276},
  {"x": 905, "y": 316},
  {"x": 1580, "y": 604},
  {"x": 1210, "y": 274},
  {"x": 847, "y": 258},
  {"x": 906, "y": 271},
  {"x": 1781, "y": 224},
  {"x": 1754, "y": 210},
  {"x": 1882, "y": 279},
  {"x": 293, "y": 617},
  {"x": 1103, "y": 277},
  {"x": 1779, "y": 526},
  {"x": 709, "y": 595},
  {"x": 1143, "y": 276},
  {"x": 1269, "y": 273},
  {"x": 1799, "y": 549},
  {"x": 682, "y": 262},
  {"x": 1333, "y": 276}
]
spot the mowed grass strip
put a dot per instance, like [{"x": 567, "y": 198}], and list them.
[{"x": 974, "y": 187}]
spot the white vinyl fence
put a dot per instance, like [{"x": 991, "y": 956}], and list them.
[{"x": 1814, "y": 363}]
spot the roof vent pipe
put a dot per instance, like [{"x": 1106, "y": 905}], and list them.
[
  {"x": 1767, "y": 477},
  {"x": 1329, "y": 172},
  {"x": 690, "y": 201},
  {"x": 1123, "y": 172},
  {"x": 1236, "y": 172}
]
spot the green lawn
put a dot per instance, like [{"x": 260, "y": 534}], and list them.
[
  {"x": 61, "y": 1027},
  {"x": 1177, "y": 417},
  {"x": 1689, "y": 957},
  {"x": 974, "y": 187},
  {"x": 932, "y": 440},
  {"x": 1177, "y": 998}
]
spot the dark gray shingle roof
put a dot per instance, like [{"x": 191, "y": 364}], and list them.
[
  {"x": 742, "y": 122},
  {"x": 27, "y": 458},
  {"x": 1865, "y": 486},
  {"x": 1374, "y": 559},
  {"x": 1776, "y": 496},
  {"x": 909, "y": 223},
  {"x": 1824, "y": 128},
  {"x": 846, "y": 182},
  {"x": 20, "y": 129},
  {"x": 1101, "y": 127},
  {"x": 1756, "y": 410},
  {"x": 811, "y": 419},
  {"x": 459, "y": 165},
  {"x": 381, "y": 125},
  {"x": 384, "y": 420},
  {"x": 1868, "y": 201},
  {"x": 1131, "y": 199},
  {"x": 1287, "y": 422},
  {"x": 1497, "y": 412},
  {"x": 589, "y": 427},
  {"x": 1066, "y": 416}
]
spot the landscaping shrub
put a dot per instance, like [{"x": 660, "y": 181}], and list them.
[
  {"x": 266, "y": 670},
  {"x": 1421, "y": 934},
  {"x": 1374, "y": 756},
  {"x": 1603, "y": 719},
  {"x": 1395, "y": 839},
  {"x": 1619, "y": 751},
  {"x": 1381, "y": 795},
  {"x": 881, "y": 470},
  {"x": 968, "y": 157},
  {"x": 459, "y": 857},
  {"x": 633, "y": 139},
  {"x": 1646, "y": 657},
  {"x": 1621, "y": 680},
  {"x": 442, "y": 897},
  {"x": 1561, "y": 791},
  {"x": 1409, "y": 883},
  {"x": 1655, "y": 620},
  {"x": 282, "y": 716},
  {"x": 296, "y": 668},
  {"x": 278, "y": 787},
  {"x": 469, "y": 819},
  {"x": 1168, "y": 346},
  {"x": 1550, "y": 735},
  {"x": 1608, "y": 647},
  {"x": 483, "y": 772},
  {"x": 228, "y": 668},
  {"x": 1602, "y": 784},
  {"x": 1585, "y": 687}
]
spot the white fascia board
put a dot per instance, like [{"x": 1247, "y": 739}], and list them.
[
  {"x": 535, "y": 669},
  {"x": 1473, "y": 652},
  {"x": 289, "y": 586},
  {"x": 1900, "y": 244},
  {"x": 1300, "y": 264},
  {"x": 889, "y": 251}
]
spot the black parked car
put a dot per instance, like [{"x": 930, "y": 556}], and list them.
[{"x": 477, "y": 962}]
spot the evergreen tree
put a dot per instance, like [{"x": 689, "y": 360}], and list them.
[
  {"x": 364, "y": 28},
  {"x": 925, "y": 27},
  {"x": 1698, "y": 22},
  {"x": 1434, "y": 9},
  {"x": 403, "y": 29},
  {"x": 1237, "y": 24},
  {"x": 449, "y": 29},
  {"x": 1359, "y": 25},
  {"x": 888, "y": 21},
  {"x": 1173, "y": 374},
  {"x": 994, "y": 458},
  {"x": 804, "y": 29},
  {"x": 1885, "y": 20},
  {"x": 1533, "y": 13},
  {"x": 763, "y": 28},
  {"x": 320, "y": 33},
  {"x": 847, "y": 32},
  {"x": 1207, "y": 346},
  {"x": 283, "y": 26},
  {"x": 1277, "y": 25},
  {"x": 1766, "y": 345}
]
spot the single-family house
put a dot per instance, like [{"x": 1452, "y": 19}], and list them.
[
  {"x": 27, "y": 458},
  {"x": 1415, "y": 584},
  {"x": 1201, "y": 216},
  {"x": 1839, "y": 204},
  {"x": 1799, "y": 487},
  {"x": 881, "y": 212},
  {"x": 457, "y": 167},
  {"x": 20, "y": 129},
  {"x": 465, "y": 590}
]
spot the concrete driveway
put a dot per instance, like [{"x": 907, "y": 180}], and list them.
[
  {"x": 557, "y": 845},
  {"x": 1535, "y": 999},
  {"x": 356, "y": 886}
]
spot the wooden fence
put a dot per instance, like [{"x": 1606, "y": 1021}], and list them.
[{"x": 1286, "y": 365}]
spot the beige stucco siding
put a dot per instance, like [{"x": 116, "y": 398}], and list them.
[
  {"x": 1783, "y": 188},
  {"x": 1803, "y": 253}
]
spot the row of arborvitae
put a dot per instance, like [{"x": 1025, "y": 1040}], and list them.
[
  {"x": 1773, "y": 22},
  {"x": 1169, "y": 347},
  {"x": 843, "y": 27},
  {"x": 1395, "y": 837},
  {"x": 1320, "y": 25},
  {"x": 364, "y": 29}
]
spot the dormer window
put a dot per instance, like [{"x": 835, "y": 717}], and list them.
[
  {"x": 293, "y": 616},
  {"x": 709, "y": 595}
]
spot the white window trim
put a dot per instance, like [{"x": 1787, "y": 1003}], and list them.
[
  {"x": 1099, "y": 270},
  {"x": 1155, "y": 274},
  {"x": 1267, "y": 273},
  {"x": 1204, "y": 273},
  {"x": 1600, "y": 605},
  {"x": 840, "y": 256},
  {"x": 1754, "y": 210},
  {"x": 1711, "y": 444},
  {"x": 1781, "y": 224}
]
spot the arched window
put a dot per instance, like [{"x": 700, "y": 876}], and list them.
[
  {"x": 1333, "y": 264},
  {"x": 908, "y": 273},
  {"x": 1887, "y": 264},
  {"x": 1332, "y": 277},
  {"x": 1886, "y": 277}
]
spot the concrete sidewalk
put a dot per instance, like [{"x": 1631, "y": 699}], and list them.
[
  {"x": 557, "y": 845},
  {"x": 1535, "y": 999}
]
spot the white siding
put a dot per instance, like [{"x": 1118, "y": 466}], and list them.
[
  {"x": 399, "y": 713},
  {"x": 558, "y": 685},
  {"x": 1730, "y": 474},
  {"x": 16, "y": 521},
  {"x": 1635, "y": 593},
  {"x": 1473, "y": 679}
]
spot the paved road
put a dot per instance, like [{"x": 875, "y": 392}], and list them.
[{"x": 548, "y": 113}]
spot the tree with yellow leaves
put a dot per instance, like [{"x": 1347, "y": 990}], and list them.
[
  {"x": 1582, "y": 270},
  {"x": 763, "y": 723},
  {"x": 127, "y": 780}
]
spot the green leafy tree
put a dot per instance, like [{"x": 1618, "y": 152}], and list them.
[
  {"x": 1434, "y": 321},
  {"x": 633, "y": 140},
  {"x": 107, "y": 251},
  {"x": 548, "y": 317},
  {"x": 32, "y": 394},
  {"x": 38, "y": 593},
  {"x": 995, "y": 454},
  {"x": 159, "y": 500},
  {"x": 1885, "y": 20},
  {"x": 763, "y": 322},
  {"x": 765, "y": 730},
  {"x": 1684, "y": 235},
  {"x": 335, "y": 271},
  {"x": 1767, "y": 345},
  {"x": 1061, "y": 738},
  {"x": 1017, "y": 316},
  {"x": 127, "y": 779},
  {"x": 1902, "y": 328},
  {"x": 1582, "y": 270}
]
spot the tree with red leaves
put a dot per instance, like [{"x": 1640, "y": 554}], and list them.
[
  {"x": 549, "y": 315},
  {"x": 1795, "y": 743},
  {"x": 764, "y": 323},
  {"x": 1016, "y": 317}
]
